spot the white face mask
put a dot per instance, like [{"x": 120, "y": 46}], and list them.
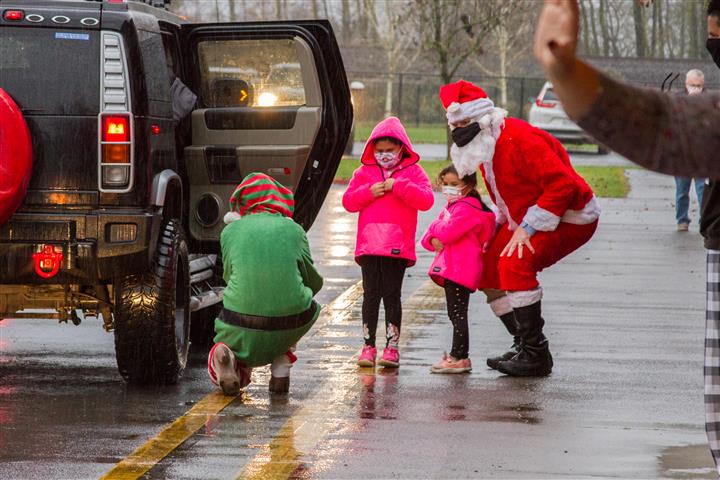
[
  {"x": 451, "y": 193},
  {"x": 693, "y": 90},
  {"x": 387, "y": 159}
]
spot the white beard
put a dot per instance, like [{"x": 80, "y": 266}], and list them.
[{"x": 481, "y": 149}]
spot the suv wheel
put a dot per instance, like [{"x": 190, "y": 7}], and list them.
[{"x": 152, "y": 314}]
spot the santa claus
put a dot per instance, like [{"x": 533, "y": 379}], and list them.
[{"x": 544, "y": 211}]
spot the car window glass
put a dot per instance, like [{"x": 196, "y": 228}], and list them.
[
  {"x": 254, "y": 73},
  {"x": 550, "y": 95},
  {"x": 51, "y": 72},
  {"x": 171, "y": 55},
  {"x": 154, "y": 61}
]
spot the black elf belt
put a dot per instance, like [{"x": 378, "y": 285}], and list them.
[{"x": 255, "y": 322}]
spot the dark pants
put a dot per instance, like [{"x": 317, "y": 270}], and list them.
[
  {"x": 458, "y": 298},
  {"x": 382, "y": 280}
]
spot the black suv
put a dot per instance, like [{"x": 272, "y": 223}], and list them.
[{"x": 124, "y": 208}]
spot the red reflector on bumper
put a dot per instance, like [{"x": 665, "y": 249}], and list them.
[{"x": 47, "y": 261}]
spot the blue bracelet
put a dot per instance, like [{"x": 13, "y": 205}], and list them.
[{"x": 530, "y": 230}]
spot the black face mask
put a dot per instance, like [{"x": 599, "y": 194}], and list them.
[
  {"x": 464, "y": 135},
  {"x": 713, "y": 46}
]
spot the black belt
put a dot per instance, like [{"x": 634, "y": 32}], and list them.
[{"x": 255, "y": 322}]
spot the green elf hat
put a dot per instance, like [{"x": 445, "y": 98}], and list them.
[{"x": 260, "y": 193}]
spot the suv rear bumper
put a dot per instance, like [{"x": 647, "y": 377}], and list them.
[{"x": 97, "y": 246}]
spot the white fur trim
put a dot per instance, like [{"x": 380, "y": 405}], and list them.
[
  {"x": 280, "y": 366},
  {"x": 500, "y": 217},
  {"x": 544, "y": 221},
  {"x": 590, "y": 212},
  {"x": 453, "y": 107},
  {"x": 525, "y": 298},
  {"x": 474, "y": 109},
  {"x": 501, "y": 306},
  {"x": 231, "y": 217},
  {"x": 499, "y": 202},
  {"x": 541, "y": 219}
]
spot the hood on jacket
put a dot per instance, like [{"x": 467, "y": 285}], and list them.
[
  {"x": 261, "y": 193},
  {"x": 390, "y": 127}
]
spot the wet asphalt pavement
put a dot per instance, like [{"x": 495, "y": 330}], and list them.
[{"x": 625, "y": 320}]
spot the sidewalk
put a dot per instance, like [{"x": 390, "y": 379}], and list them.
[{"x": 625, "y": 320}]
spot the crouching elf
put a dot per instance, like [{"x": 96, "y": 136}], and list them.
[{"x": 271, "y": 281}]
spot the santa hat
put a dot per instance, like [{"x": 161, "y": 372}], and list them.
[{"x": 464, "y": 101}]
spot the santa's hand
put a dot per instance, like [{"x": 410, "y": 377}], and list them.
[
  {"x": 519, "y": 240},
  {"x": 556, "y": 36},
  {"x": 389, "y": 184},
  {"x": 437, "y": 244},
  {"x": 378, "y": 190}
]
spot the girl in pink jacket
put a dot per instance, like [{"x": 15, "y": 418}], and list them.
[
  {"x": 388, "y": 189},
  {"x": 459, "y": 236}
]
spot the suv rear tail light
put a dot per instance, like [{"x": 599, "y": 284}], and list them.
[
  {"x": 48, "y": 260},
  {"x": 13, "y": 15},
  {"x": 116, "y": 128},
  {"x": 115, "y": 151},
  {"x": 540, "y": 103}
]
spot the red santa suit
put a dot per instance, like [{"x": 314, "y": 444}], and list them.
[{"x": 530, "y": 179}]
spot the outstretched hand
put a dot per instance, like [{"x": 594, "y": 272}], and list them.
[
  {"x": 519, "y": 240},
  {"x": 556, "y": 36}
]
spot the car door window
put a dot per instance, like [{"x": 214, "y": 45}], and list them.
[{"x": 249, "y": 72}]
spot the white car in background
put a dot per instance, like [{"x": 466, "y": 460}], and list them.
[{"x": 546, "y": 113}]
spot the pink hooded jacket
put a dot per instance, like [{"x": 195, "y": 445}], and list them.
[
  {"x": 387, "y": 225},
  {"x": 463, "y": 227}
]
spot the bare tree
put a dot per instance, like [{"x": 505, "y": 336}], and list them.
[
  {"x": 509, "y": 40},
  {"x": 395, "y": 38},
  {"x": 640, "y": 32},
  {"x": 454, "y": 30}
]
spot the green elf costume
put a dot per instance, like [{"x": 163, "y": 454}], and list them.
[{"x": 271, "y": 281}]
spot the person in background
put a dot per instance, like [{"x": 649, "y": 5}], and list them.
[
  {"x": 675, "y": 135},
  {"x": 388, "y": 190},
  {"x": 459, "y": 236},
  {"x": 694, "y": 85}
]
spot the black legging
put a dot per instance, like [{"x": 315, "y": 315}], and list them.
[
  {"x": 382, "y": 280},
  {"x": 458, "y": 298}
]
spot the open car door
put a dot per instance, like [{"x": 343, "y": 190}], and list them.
[{"x": 272, "y": 98}]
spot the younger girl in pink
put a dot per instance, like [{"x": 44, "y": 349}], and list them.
[
  {"x": 458, "y": 236},
  {"x": 388, "y": 189}
]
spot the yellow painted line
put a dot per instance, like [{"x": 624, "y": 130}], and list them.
[
  {"x": 154, "y": 450},
  {"x": 282, "y": 457},
  {"x": 139, "y": 462}
]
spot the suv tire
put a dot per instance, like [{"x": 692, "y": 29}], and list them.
[{"x": 152, "y": 314}]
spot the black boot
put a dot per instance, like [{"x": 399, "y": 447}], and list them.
[
  {"x": 534, "y": 359},
  {"x": 512, "y": 327}
]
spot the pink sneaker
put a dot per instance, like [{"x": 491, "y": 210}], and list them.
[
  {"x": 367, "y": 356},
  {"x": 449, "y": 364},
  {"x": 390, "y": 358}
]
